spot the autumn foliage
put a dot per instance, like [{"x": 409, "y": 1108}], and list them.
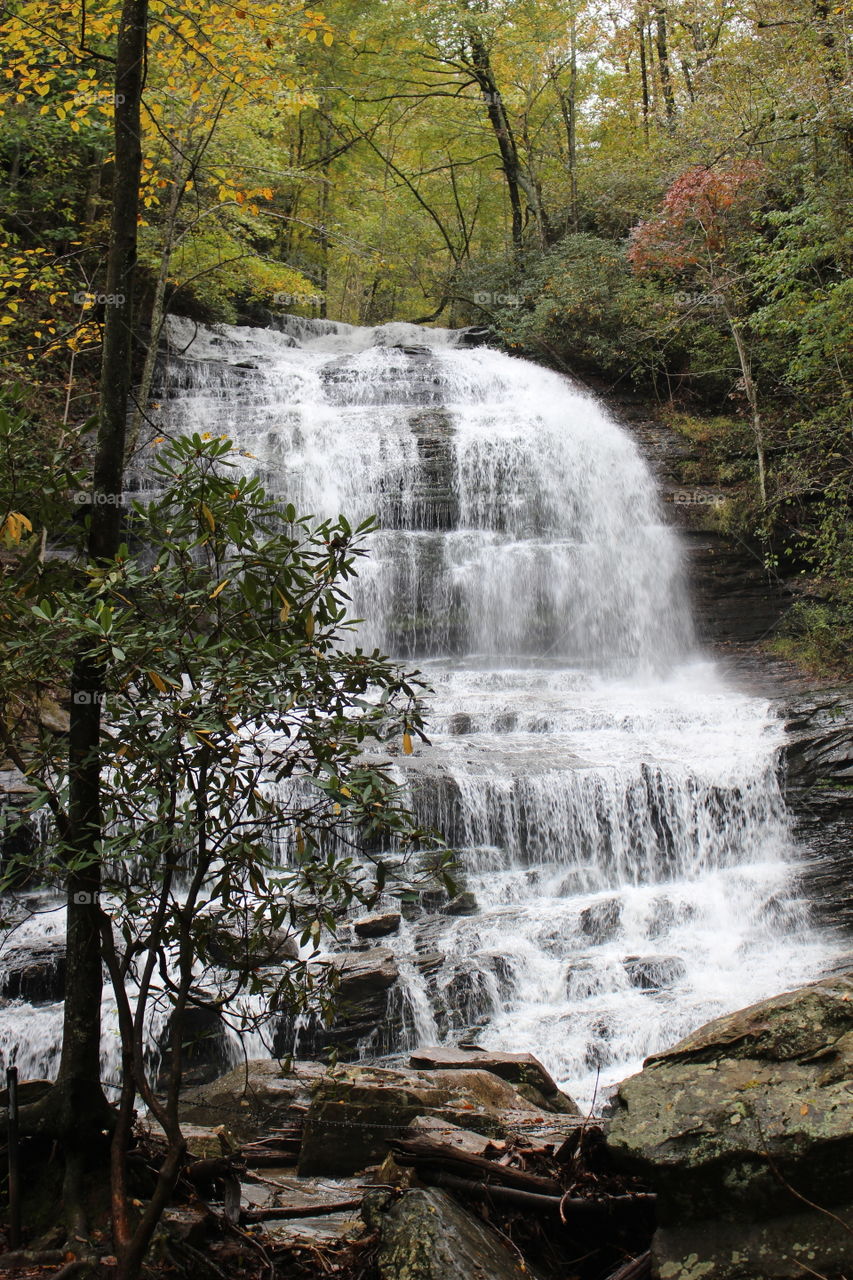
[{"x": 699, "y": 214}]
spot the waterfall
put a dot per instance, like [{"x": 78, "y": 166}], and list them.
[{"x": 613, "y": 800}]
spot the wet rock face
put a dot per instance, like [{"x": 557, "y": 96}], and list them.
[
  {"x": 34, "y": 973},
  {"x": 819, "y": 746},
  {"x": 206, "y": 1049},
  {"x": 427, "y": 1236},
  {"x": 364, "y": 1017},
  {"x": 817, "y": 773},
  {"x": 733, "y": 1121}
]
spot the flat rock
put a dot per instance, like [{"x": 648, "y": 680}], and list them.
[
  {"x": 736, "y": 1121},
  {"x": 451, "y": 1135},
  {"x": 361, "y": 974},
  {"x": 357, "y": 1110},
  {"x": 427, "y": 1236},
  {"x": 252, "y": 1098},
  {"x": 520, "y": 1069},
  {"x": 379, "y": 925}
]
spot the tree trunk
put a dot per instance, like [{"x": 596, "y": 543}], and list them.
[
  {"x": 752, "y": 399},
  {"x": 81, "y": 1102},
  {"x": 663, "y": 61},
  {"x": 158, "y": 312},
  {"x": 644, "y": 73},
  {"x": 481, "y": 70}
]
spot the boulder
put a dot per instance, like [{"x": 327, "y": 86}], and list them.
[
  {"x": 356, "y": 1110},
  {"x": 520, "y": 1069},
  {"x": 379, "y": 925},
  {"x": 34, "y": 972},
  {"x": 252, "y": 1099},
  {"x": 464, "y": 904},
  {"x": 52, "y": 716},
  {"x": 737, "y": 1127},
  {"x": 600, "y": 922},
  {"x": 424, "y": 1235},
  {"x": 650, "y": 973}
]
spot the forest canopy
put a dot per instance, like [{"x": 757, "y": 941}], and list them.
[{"x": 547, "y": 170}]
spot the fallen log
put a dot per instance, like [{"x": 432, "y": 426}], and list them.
[
  {"x": 420, "y": 1153},
  {"x": 271, "y": 1160},
  {"x": 270, "y": 1214},
  {"x": 534, "y": 1201}
]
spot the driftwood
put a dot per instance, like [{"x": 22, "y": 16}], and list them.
[
  {"x": 299, "y": 1210},
  {"x": 281, "y": 1147},
  {"x": 423, "y": 1155},
  {"x": 531, "y": 1200}
]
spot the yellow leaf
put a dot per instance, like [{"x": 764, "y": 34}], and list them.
[
  {"x": 157, "y": 681},
  {"x": 284, "y": 612},
  {"x": 407, "y": 744},
  {"x": 13, "y": 527},
  {"x": 216, "y": 590},
  {"x": 208, "y": 515},
  {"x": 312, "y": 36},
  {"x": 328, "y": 38},
  {"x": 300, "y": 841},
  {"x": 309, "y": 625},
  {"x": 804, "y": 1109}
]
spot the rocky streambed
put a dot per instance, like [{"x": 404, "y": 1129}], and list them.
[{"x": 728, "y": 1157}]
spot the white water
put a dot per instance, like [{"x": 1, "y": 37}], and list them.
[{"x": 611, "y": 798}]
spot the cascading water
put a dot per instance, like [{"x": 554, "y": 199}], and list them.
[{"x": 614, "y": 803}]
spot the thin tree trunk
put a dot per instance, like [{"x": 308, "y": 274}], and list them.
[
  {"x": 644, "y": 73},
  {"x": 752, "y": 399},
  {"x": 663, "y": 61},
  {"x": 481, "y": 69},
  {"x": 81, "y": 1100},
  {"x": 158, "y": 316}
]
